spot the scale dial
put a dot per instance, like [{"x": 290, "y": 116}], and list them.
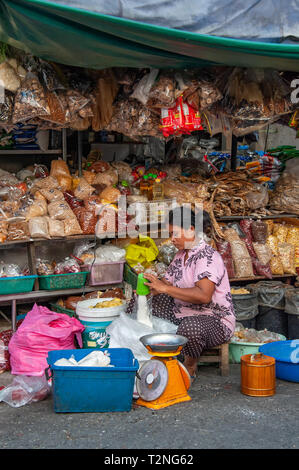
[{"x": 152, "y": 380}]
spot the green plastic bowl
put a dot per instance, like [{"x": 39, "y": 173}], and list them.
[{"x": 238, "y": 349}]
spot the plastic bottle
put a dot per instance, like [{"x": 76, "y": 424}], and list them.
[
  {"x": 143, "y": 186},
  {"x": 150, "y": 182},
  {"x": 158, "y": 189}
]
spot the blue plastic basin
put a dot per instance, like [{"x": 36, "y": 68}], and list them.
[
  {"x": 286, "y": 355},
  {"x": 93, "y": 389}
]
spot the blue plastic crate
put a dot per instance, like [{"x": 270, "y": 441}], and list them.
[{"x": 93, "y": 389}]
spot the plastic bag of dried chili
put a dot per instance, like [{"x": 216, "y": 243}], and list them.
[{"x": 5, "y": 337}]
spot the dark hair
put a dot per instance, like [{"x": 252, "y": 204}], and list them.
[{"x": 185, "y": 217}]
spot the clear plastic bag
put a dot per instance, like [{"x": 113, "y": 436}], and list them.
[
  {"x": 167, "y": 252},
  {"x": 110, "y": 253},
  {"x": 83, "y": 190},
  {"x": 38, "y": 208},
  {"x": 18, "y": 231},
  {"x": 38, "y": 227},
  {"x": 293, "y": 236},
  {"x": 263, "y": 252},
  {"x": 276, "y": 265},
  {"x": 257, "y": 198},
  {"x": 56, "y": 227},
  {"x": 25, "y": 390},
  {"x": 280, "y": 231},
  {"x": 259, "y": 231},
  {"x": 44, "y": 182},
  {"x": 8, "y": 77},
  {"x": 30, "y": 101},
  {"x": 60, "y": 210},
  {"x": 52, "y": 195},
  {"x": 124, "y": 171},
  {"x": 287, "y": 255},
  {"x": 68, "y": 265},
  {"x": 142, "y": 90},
  {"x": 125, "y": 332},
  {"x": 9, "y": 270},
  {"x": 72, "y": 227},
  {"x": 241, "y": 259},
  {"x": 61, "y": 172},
  {"x": 87, "y": 220},
  {"x": 44, "y": 267},
  {"x": 162, "y": 93},
  {"x": 83, "y": 248},
  {"x": 108, "y": 178}
]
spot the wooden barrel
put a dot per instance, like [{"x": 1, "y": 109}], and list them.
[{"x": 257, "y": 375}]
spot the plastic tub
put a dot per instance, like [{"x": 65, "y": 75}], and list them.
[
  {"x": 238, "y": 349},
  {"x": 105, "y": 273},
  {"x": 93, "y": 389},
  {"x": 17, "y": 284},
  {"x": 286, "y": 355},
  {"x": 96, "y": 322},
  {"x": 63, "y": 281}
]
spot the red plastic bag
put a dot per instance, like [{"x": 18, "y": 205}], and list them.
[
  {"x": 192, "y": 121},
  {"x": 41, "y": 331},
  {"x": 226, "y": 253}
]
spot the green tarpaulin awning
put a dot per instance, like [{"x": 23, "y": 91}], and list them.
[{"x": 84, "y": 38}]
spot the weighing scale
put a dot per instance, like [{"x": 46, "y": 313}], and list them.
[{"x": 163, "y": 380}]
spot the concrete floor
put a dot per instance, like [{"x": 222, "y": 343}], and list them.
[{"x": 218, "y": 417}]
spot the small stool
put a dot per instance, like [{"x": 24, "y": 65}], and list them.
[{"x": 217, "y": 354}]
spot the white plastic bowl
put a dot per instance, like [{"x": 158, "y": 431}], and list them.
[{"x": 86, "y": 313}]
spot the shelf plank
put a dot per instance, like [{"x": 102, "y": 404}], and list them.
[
  {"x": 30, "y": 152},
  {"x": 259, "y": 278},
  {"x": 44, "y": 294}
]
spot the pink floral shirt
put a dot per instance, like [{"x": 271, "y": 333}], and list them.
[{"x": 202, "y": 262}]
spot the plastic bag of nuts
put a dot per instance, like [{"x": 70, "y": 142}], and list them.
[{"x": 30, "y": 100}]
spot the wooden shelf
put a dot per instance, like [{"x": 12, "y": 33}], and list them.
[
  {"x": 30, "y": 152},
  {"x": 259, "y": 278},
  {"x": 44, "y": 294},
  {"x": 265, "y": 217}
]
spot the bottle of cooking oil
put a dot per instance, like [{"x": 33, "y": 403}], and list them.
[
  {"x": 158, "y": 189},
  {"x": 150, "y": 182},
  {"x": 143, "y": 186}
]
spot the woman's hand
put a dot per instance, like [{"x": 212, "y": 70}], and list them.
[{"x": 156, "y": 286}]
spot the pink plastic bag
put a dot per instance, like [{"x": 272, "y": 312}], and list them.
[{"x": 40, "y": 332}]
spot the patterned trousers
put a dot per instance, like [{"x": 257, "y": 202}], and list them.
[{"x": 202, "y": 331}]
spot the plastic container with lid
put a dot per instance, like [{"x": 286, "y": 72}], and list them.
[{"x": 257, "y": 375}]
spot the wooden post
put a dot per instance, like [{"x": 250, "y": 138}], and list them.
[{"x": 224, "y": 361}]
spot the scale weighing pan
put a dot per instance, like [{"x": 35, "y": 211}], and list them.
[{"x": 163, "y": 342}]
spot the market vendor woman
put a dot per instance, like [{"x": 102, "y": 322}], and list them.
[{"x": 195, "y": 292}]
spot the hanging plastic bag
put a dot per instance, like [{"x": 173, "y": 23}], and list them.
[
  {"x": 144, "y": 86},
  {"x": 41, "y": 331},
  {"x": 30, "y": 101},
  {"x": 24, "y": 390}
]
